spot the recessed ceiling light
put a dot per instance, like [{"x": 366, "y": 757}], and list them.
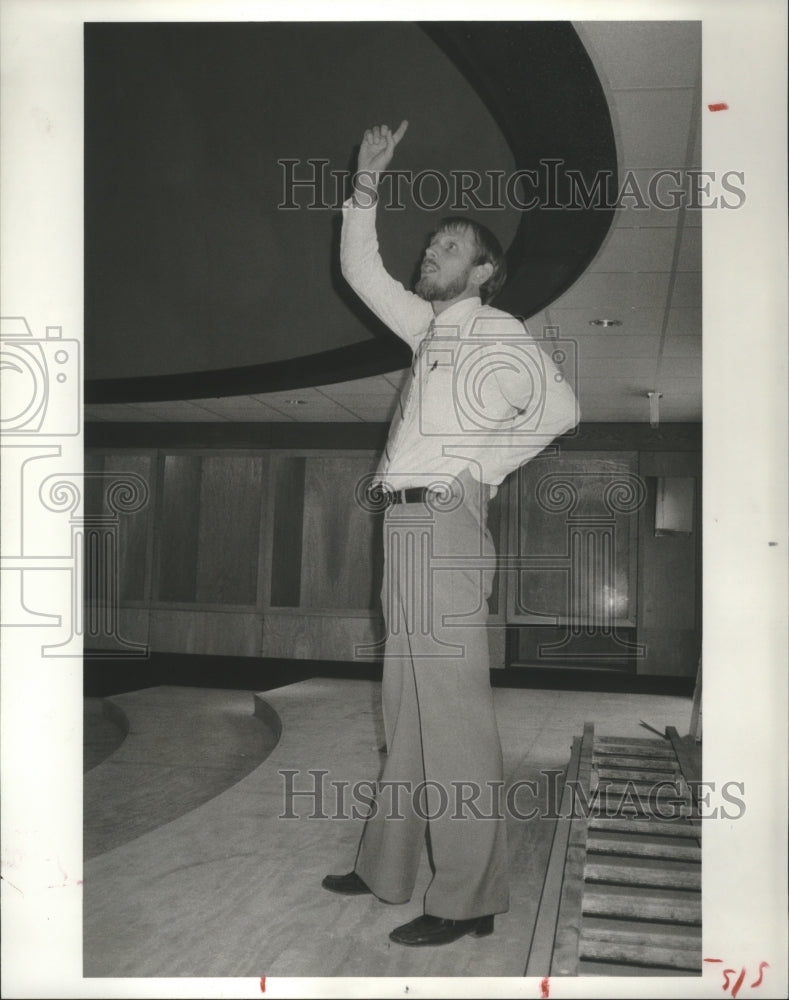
[
  {"x": 605, "y": 322},
  {"x": 296, "y": 402}
]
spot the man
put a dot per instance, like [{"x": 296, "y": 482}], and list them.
[{"x": 482, "y": 399}]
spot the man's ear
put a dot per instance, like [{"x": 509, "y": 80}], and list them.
[{"x": 480, "y": 274}]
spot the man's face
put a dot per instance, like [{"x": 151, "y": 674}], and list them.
[{"x": 447, "y": 264}]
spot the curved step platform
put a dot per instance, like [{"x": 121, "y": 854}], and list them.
[{"x": 183, "y": 746}]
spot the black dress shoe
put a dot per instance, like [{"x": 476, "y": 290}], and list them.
[
  {"x": 437, "y": 930},
  {"x": 346, "y": 885}
]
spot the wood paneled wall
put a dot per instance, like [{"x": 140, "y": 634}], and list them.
[
  {"x": 263, "y": 551},
  {"x": 644, "y": 615},
  {"x": 669, "y": 622},
  {"x": 246, "y": 553}
]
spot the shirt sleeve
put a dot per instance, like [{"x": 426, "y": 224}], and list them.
[{"x": 405, "y": 313}]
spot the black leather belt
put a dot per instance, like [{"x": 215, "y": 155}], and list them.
[{"x": 416, "y": 494}]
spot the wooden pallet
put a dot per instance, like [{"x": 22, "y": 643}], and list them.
[{"x": 622, "y": 893}]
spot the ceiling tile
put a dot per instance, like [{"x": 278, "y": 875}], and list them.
[
  {"x": 629, "y": 249},
  {"x": 368, "y": 406},
  {"x": 694, "y": 162},
  {"x": 398, "y": 379},
  {"x": 360, "y": 386},
  {"x": 600, "y": 409},
  {"x": 644, "y": 53},
  {"x": 240, "y": 408},
  {"x": 690, "y": 249},
  {"x": 612, "y": 293},
  {"x": 653, "y": 127},
  {"x": 681, "y": 408},
  {"x": 116, "y": 412},
  {"x": 682, "y": 347},
  {"x": 373, "y": 414},
  {"x": 616, "y": 347},
  {"x": 639, "y": 368},
  {"x": 314, "y": 410},
  {"x": 684, "y": 323},
  {"x": 680, "y": 368},
  {"x": 675, "y": 386},
  {"x": 687, "y": 290},
  {"x": 575, "y": 323},
  {"x": 615, "y": 385},
  {"x": 177, "y": 411},
  {"x": 654, "y": 198}
]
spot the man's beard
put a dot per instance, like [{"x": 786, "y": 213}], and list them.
[{"x": 430, "y": 290}]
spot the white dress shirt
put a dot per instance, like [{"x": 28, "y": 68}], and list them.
[{"x": 482, "y": 395}]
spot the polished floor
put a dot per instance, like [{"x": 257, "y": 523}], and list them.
[{"x": 195, "y": 870}]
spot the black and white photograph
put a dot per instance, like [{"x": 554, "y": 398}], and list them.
[{"x": 394, "y": 501}]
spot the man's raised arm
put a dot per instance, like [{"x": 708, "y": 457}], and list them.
[{"x": 402, "y": 311}]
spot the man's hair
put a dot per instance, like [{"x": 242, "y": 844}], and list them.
[{"x": 489, "y": 251}]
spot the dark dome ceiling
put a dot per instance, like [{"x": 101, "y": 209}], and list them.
[{"x": 199, "y": 282}]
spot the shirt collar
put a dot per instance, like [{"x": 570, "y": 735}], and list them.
[{"x": 458, "y": 313}]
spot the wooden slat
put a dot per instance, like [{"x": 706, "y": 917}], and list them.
[
  {"x": 666, "y": 764},
  {"x": 684, "y": 939},
  {"x": 653, "y": 878},
  {"x": 641, "y": 954},
  {"x": 637, "y": 870},
  {"x": 568, "y": 928},
  {"x": 623, "y": 799},
  {"x": 625, "y": 784},
  {"x": 614, "y": 805},
  {"x": 544, "y": 934},
  {"x": 630, "y": 741},
  {"x": 696, "y": 712},
  {"x": 640, "y": 907},
  {"x": 607, "y": 770},
  {"x": 651, "y": 827},
  {"x": 689, "y": 758},
  {"x": 637, "y": 849},
  {"x": 658, "y": 751}
]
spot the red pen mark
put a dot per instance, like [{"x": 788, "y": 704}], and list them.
[
  {"x": 762, "y": 967},
  {"x": 737, "y": 985},
  {"x": 262, "y": 984},
  {"x": 718, "y": 107},
  {"x": 544, "y": 987}
]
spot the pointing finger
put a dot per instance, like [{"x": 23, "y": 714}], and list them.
[{"x": 398, "y": 135}]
